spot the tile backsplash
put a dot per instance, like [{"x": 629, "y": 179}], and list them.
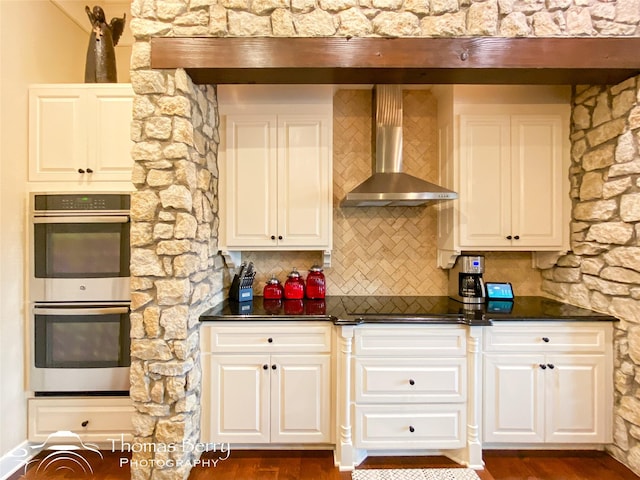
[{"x": 386, "y": 250}]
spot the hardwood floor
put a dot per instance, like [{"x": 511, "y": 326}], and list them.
[{"x": 318, "y": 465}]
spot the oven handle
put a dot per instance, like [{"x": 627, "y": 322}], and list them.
[
  {"x": 95, "y": 219},
  {"x": 80, "y": 311}
]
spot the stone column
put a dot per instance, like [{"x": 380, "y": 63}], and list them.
[
  {"x": 603, "y": 270},
  {"x": 176, "y": 272}
]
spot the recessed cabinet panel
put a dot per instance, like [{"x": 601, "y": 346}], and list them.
[
  {"x": 537, "y": 211},
  {"x": 113, "y": 133},
  {"x": 300, "y": 399},
  {"x": 303, "y": 192},
  {"x": 485, "y": 214},
  {"x": 268, "y": 337},
  {"x": 545, "y": 338},
  {"x": 96, "y": 419},
  {"x": 243, "y": 409},
  {"x": 407, "y": 380},
  {"x": 56, "y": 144},
  {"x": 574, "y": 416},
  {"x": 513, "y": 399},
  {"x": 251, "y": 179},
  {"x": 410, "y": 426},
  {"x": 386, "y": 341}
]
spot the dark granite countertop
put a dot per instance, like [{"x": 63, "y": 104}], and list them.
[{"x": 353, "y": 310}]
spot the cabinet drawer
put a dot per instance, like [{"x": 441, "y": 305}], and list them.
[
  {"x": 390, "y": 340},
  {"x": 410, "y": 426},
  {"x": 94, "y": 419},
  {"x": 407, "y": 380},
  {"x": 260, "y": 337},
  {"x": 524, "y": 337}
]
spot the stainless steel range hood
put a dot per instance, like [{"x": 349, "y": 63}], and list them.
[{"x": 389, "y": 186}]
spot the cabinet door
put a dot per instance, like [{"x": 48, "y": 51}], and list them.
[
  {"x": 300, "y": 394},
  {"x": 240, "y": 393},
  {"x": 251, "y": 183},
  {"x": 536, "y": 159},
  {"x": 514, "y": 398},
  {"x": 57, "y": 133},
  {"x": 109, "y": 136},
  {"x": 304, "y": 178},
  {"x": 576, "y": 398},
  {"x": 485, "y": 181}
]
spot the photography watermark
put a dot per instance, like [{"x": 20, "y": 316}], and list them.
[
  {"x": 63, "y": 452},
  {"x": 66, "y": 452},
  {"x": 204, "y": 454}
]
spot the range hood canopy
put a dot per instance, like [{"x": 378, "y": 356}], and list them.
[{"x": 389, "y": 186}]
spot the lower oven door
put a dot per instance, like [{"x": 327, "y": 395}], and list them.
[{"x": 80, "y": 348}]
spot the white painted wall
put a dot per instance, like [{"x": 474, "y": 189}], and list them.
[{"x": 38, "y": 44}]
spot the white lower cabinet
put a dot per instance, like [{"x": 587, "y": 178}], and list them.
[
  {"x": 266, "y": 383},
  {"x": 410, "y": 387},
  {"x": 548, "y": 383},
  {"x": 92, "y": 419}
]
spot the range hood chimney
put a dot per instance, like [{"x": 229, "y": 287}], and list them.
[{"x": 389, "y": 186}]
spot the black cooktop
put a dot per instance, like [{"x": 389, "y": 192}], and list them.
[{"x": 402, "y": 306}]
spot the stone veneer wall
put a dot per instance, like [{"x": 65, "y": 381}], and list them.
[
  {"x": 175, "y": 269},
  {"x": 603, "y": 270}
]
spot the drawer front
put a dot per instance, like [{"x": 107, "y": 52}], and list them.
[
  {"x": 407, "y": 380},
  {"x": 267, "y": 338},
  {"x": 410, "y": 426},
  {"x": 94, "y": 419},
  {"x": 389, "y": 340},
  {"x": 525, "y": 337}
]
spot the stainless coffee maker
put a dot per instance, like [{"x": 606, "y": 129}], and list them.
[{"x": 465, "y": 279}]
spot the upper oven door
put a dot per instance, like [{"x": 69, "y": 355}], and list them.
[{"x": 79, "y": 256}]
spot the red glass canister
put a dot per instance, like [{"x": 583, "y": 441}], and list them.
[
  {"x": 316, "y": 283},
  {"x": 273, "y": 289},
  {"x": 294, "y": 286}
]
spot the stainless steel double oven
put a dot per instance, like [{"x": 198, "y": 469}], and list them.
[{"x": 79, "y": 290}]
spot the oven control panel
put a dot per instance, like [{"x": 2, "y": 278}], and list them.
[{"x": 81, "y": 202}]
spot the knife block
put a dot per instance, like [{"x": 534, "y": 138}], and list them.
[{"x": 239, "y": 293}]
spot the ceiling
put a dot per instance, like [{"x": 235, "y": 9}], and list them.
[{"x": 74, "y": 9}]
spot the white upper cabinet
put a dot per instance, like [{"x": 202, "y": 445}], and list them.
[
  {"x": 509, "y": 164},
  {"x": 80, "y": 132},
  {"x": 276, "y": 173},
  {"x": 511, "y": 181}
]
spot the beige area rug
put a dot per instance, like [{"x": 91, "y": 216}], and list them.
[{"x": 415, "y": 474}]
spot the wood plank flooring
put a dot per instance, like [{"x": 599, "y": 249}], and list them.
[{"x": 318, "y": 465}]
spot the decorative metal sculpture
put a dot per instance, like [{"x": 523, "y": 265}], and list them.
[{"x": 101, "y": 55}]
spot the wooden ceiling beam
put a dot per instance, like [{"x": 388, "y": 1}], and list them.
[{"x": 368, "y": 60}]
